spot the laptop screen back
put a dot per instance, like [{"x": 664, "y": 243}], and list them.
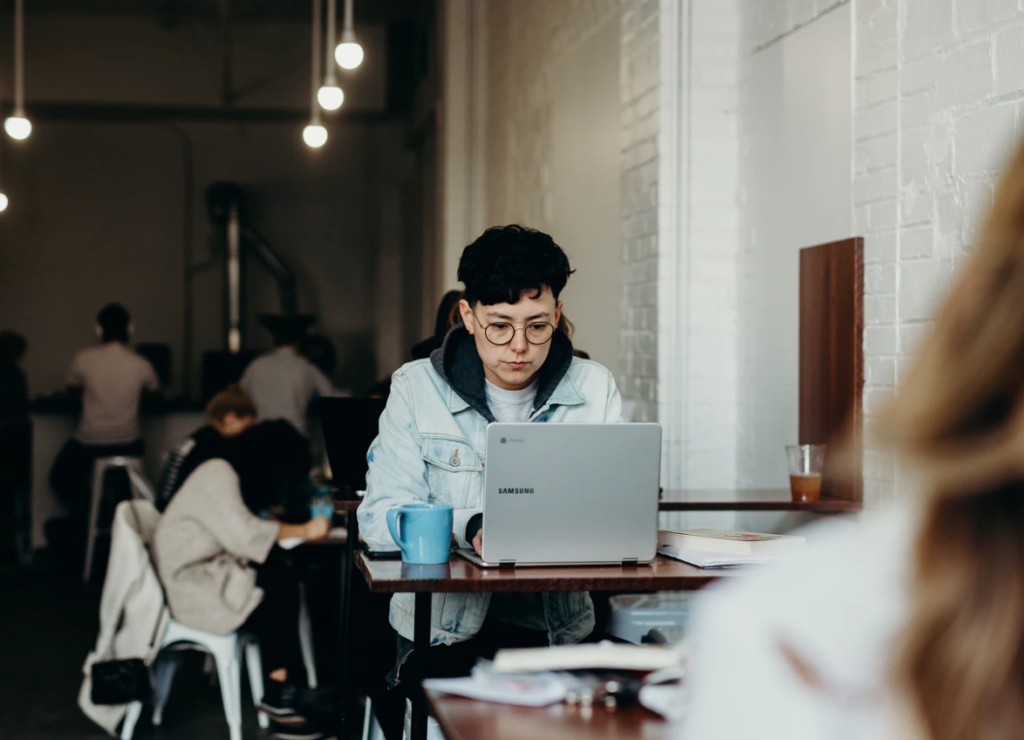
[{"x": 350, "y": 425}]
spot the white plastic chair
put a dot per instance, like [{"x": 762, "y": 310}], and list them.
[
  {"x": 226, "y": 652},
  {"x": 371, "y": 727},
  {"x": 306, "y": 638},
  {"x": 140, "y": 489}
]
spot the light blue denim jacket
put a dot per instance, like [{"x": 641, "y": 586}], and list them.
[{"x": 431, "y": 447}]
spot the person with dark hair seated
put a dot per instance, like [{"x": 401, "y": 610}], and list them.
[
  {"x": 228, "y": 414},
  {"x": 15, "y": 441},
  {"x": 447, "y": 317},
  {"x": 110, "y": 380},
  {"x": 219, "y": 567},
  {"x": 506, "y": 362}
]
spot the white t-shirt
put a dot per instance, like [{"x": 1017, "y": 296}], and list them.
[
  {"x": 511, "y": 406},
  {"x": 112, "y": 378},
  {"x": 839, "y": 607},
  {"x": 281, "y": 384}
]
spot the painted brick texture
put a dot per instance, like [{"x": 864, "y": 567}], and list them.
[
  {"x": 638, "y": 348},
  {"x": 939, "y": 87}
]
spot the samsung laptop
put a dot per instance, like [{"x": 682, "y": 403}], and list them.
[
  {"x": 570, "y": 494},
  {"x": 350, "y": 425}
]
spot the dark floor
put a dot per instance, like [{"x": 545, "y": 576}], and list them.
[{"x": 49, "y": 621}]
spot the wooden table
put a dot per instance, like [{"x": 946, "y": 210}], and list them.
[
  {"x": 460, "y": 576},
  {"x": 467, "y": 719},
  {"x": 751, "y": 499}
]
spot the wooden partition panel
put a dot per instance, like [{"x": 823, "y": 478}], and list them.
[{"x": 832, "y": 357}]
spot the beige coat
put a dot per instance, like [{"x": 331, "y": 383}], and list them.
[{"x": 204, "y": 546}]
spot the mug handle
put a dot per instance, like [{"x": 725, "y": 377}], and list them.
[{"x": 394, "y": 519}]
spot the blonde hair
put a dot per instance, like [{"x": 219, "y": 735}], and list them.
[
  {"x": 957, "y": 419},
  {"x": 231, "y": 400}
]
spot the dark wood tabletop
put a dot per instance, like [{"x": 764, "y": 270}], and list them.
[
  {"x": 711, "y": 499},
  {"x": 750, "y": 499},
  {"x": 461, "y": 576},
  {"x": 467, "y": 719}
]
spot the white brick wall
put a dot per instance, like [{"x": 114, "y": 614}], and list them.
[
  {"x": 638, "y": 349},
  {"x": 713, "y": 254},
  {"x": 953, "y": 114}
]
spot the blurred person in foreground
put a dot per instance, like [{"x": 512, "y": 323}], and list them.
[
  {"x": 15, "y": 439},
  {"x": 220, "y": 570},
  {"x": 110, "y": 379},
  {"x": 910, "y": 624},
  {"x": 228, "y": 414}
]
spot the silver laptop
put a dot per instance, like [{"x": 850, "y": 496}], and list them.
[{"x": 570, "y": 494}]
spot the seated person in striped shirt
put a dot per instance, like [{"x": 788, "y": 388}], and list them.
[{"x": 228, "y": 414}]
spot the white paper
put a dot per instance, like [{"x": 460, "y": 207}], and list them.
[
  {"x": 669, "y": 701},
  {"x": 704, "y": 559},
  {"x": 524, "y": 690},
  {"x": 290, "y": 543},
  {"x": 605, "y": 655}
]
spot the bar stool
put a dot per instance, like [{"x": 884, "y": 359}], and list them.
[{"x": 139, "y": 486}]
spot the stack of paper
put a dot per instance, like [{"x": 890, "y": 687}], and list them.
[{"x": 703, "y": 559}]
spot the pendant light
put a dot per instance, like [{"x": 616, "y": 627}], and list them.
[
  {"x": 17, "y": 125},
  {"x": 330, "y": 94},
  {"x": 315, "y": 135},
  {"x": 349, "y": 53}
]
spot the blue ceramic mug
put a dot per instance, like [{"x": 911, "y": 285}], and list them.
[{"x": 423, "y": 532}]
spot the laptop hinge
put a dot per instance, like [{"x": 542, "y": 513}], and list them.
[
  {"x": 506, "y": 563},
  {"x": 626, "y": 562}
]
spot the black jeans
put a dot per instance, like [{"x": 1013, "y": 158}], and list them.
[
  {"x": 71, "y": 474},
  {"x": 276, "y": 620}
]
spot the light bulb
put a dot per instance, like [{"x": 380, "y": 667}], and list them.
[
  {"x": 330, "y": 97},
  {"x": 314, "y": 135},
  {"x": 3, "y": 202},
  {"x": 349, "y": 54},
  {"x": 18, "y": 127}
]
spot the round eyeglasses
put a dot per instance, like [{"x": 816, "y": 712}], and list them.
[{"x": 502, "y": 332}]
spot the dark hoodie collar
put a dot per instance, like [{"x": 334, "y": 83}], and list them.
[{"x": 459, "y": 364}]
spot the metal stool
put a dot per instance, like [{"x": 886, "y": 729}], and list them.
[{"x": 140, "y": 488}]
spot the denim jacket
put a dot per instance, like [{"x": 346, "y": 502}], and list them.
[{"x": 431, "y": 448}]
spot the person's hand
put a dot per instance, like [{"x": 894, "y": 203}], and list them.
[
  {"x": 478, "y": 543},
  {"x": 317, "y": 529}
]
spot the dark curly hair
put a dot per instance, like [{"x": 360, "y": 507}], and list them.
[{"x": 506, "y": 260}]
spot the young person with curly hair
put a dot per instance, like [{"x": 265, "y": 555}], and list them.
[{"x": 508, "y": 362}]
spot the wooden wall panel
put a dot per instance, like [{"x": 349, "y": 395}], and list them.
[{"x": 832, "y": 357}]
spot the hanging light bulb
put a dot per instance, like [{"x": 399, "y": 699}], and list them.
[
  {"x": 349, "y": 53},
  {"x": 17, "y": 124},
  {"x": 3, "y": 202},
  {"x": 315, "y": 135},
  {"x": 330, "y": 95}
]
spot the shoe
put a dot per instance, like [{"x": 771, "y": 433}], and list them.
[
  {"x": 281, "y": 703},
  {"x": 303, "y": 733}
]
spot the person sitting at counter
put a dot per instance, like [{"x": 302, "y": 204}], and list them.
[
  {"x": 110, "y": 379},
  {"x": 221, "y": 572},
  {"x": 282, "y": 382},
  {"x": 228, "y": 414}
]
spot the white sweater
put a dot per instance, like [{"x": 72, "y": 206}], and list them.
[{"x": 838, "y": 606}]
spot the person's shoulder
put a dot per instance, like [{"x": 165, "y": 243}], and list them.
[
  {"x": 588, "y": 371},
  {"x": 214, "y": 473},
  {"x": 853, "y": 572}
]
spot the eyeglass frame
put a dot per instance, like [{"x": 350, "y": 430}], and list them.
[{"x": 514, "y": 330}]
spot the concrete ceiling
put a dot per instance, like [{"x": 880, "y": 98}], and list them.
[{"x": 273, "y": 11}]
